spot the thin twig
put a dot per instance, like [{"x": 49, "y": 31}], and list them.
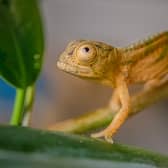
[{"x": 104, "y": 116}]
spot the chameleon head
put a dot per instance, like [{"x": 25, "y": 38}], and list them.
[{"x": 88, "y": 59}]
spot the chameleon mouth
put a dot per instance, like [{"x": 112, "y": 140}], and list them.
[{"x": 77, "y": 70}]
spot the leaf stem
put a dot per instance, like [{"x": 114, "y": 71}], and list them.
[
  {"x": 17, "y": 113},
  {"x": 28, "y": 105}
]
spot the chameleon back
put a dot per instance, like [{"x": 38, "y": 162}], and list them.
[{"x": 147, "y": 60}]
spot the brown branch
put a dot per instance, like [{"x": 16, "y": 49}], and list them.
[{"x": 103, "y": 117}]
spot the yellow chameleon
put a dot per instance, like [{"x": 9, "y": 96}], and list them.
[{"x": 144, "y": 62}]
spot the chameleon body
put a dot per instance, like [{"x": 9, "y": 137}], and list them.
[{"x": 144, "y": 62}]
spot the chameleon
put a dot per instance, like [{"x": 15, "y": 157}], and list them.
[{"x": 144, "y": 62}]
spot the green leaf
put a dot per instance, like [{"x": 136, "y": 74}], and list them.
[
  {"x": 25, "y": 147},
  {"x": 21, "y": 42}
]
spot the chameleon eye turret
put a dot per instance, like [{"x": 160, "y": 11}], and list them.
[{"x": 86, "y": 53}]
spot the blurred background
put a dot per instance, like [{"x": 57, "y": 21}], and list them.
[{"x": 60, "y": 95}]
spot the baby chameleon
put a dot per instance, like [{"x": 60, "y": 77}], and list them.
[{"x": 144, "y": 62}]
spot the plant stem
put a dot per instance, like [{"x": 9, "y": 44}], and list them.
[
  {"x": 17, "y": 113},
  {"x": 28, "y": 105}
]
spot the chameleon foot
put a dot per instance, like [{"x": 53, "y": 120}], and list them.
[{"x": 105, "y": 134}]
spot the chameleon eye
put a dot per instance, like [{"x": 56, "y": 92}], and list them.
[{"x": 86, "y": 53}]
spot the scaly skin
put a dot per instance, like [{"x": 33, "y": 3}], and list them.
[{"x": 144, "y": 62}]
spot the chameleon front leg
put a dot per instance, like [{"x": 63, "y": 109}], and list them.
[
  {"x": 121, "y": 116},
  {"x": 114, "y": 103}
]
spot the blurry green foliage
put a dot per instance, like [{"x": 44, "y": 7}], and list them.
[
  {"x": 21, "y": 42},
  {"x": 25, "y": 147}
]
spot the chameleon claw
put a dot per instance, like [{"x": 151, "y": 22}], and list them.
[
  {"x": 109, "y": 139},
  {"x": 103, "y": 134}
]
